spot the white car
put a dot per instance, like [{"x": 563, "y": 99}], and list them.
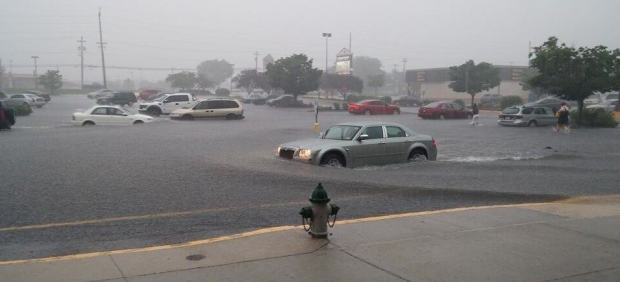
[
  {"x": 167, "y": 104},
  {"x": 109, "y": 115},
  {"x": 26, "y": 100},
  {"x": 99, "y": 93},
  {"x": 609, "y": 106}
]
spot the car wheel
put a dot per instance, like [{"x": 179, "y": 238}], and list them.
[
  {"x": 10, "y": 116},
  {"x": 396, "y": 112},
  {"x": 231, "y": 116},
  {"x": 154, "y": 112},
  {"x": 470, "y": 116},
  {"x": 187, "y": 117},
  {"x": 417, "y": 155},
  {"x": 332, "y": 160},
  {"x": 138, "y": 122},
  {"x": 88, "y": 123},
  {"x": 532, "y": 123},
  {"x": 442, "y": 116},
  {"x": 367, "y": 112}
]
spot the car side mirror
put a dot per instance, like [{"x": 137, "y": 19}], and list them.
[
  {"x": 124, "y": 115},
  {"x": 363, "y": 137},
  {"x": 321, "y": 135}
]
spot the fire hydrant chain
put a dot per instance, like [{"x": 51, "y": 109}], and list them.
[{"x": 318, "y": 214}]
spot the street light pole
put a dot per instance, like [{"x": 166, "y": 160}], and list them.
[
  {"x": 327, "y": 36},
  {"x": 36, "y": 77}
]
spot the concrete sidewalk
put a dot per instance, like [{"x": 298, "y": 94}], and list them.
[{"x": 573, "y": 240}]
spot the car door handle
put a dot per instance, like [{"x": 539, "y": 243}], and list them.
[
  {"x": 381, "y": 143},
  {"x": 177, "y": 104},
  {"x": 408, "y": 141}
]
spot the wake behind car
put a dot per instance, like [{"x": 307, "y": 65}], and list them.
[
  {"x": 282, "y": 101},
  {"x": 46, "y": 97},
  {"x": 361, "y": 144},
  {"x": 167, "y": 104},
  {"x": 373, "y": 107},
  {"x": 118, "y": 98},
  {"x": 553, "y": 103},
  {"x": 108, "y": 115},
  {"x": 210, "y": 108},
  {"x": 527, "y": 116},
  {"x": 608, "y": 106},
  {"x": 439, "y": 110}
]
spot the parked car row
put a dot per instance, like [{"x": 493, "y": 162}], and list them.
[{"x": 25, "y": 100}]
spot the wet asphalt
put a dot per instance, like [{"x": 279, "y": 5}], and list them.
[{"x": 175, "y": 181}]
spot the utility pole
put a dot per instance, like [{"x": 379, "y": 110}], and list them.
[
  {"x": 327, "y": 36},
  {"x": 256, "y": 54},
  {"x": 82, "y": 49},
  {"x": 101, "y": 43},
  {"x": 1, "y": 73},
  {"x": 405, "y": 73},
  {"x": 140, "y": 78},
  {"x": 36, "y": 77}
]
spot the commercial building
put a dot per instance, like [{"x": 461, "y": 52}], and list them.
[{"x": 432, "y": 84}]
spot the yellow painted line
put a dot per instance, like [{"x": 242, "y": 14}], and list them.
[
  {"x": 159, "y": 215},
  {"x": 251, "y": 233}
]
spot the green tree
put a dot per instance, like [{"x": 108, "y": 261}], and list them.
[
  {"x": 376, "y": 81},
  {"x": 217, "y": 71},
  {"x": 571, "y": 73},
  {"x": 51, "y": 80},
  {"x": 344, "y": 84},
  {"x": 182, "y": 80},
  {"x": 364, "y": 67},
  {"x": 472, "y": 78},
  {"x": 203, "y": 82},
  {"x": 295, "y": 75},
  {"x": 250, "y": 79},
  {"x": 615, "y": 79}
]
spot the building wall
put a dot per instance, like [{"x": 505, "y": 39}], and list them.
[{"x": 439, "y": 91}]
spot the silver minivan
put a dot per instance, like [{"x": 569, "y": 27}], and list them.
[{"x": 527, "y": 116}]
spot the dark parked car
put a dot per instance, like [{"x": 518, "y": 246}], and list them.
[
  {"x": 118, "y": 98},
  {"x": 46, "y": 97},
  {"x": 7, "y": 116},
  {"x": 491, "y": 99},
  {"x": 282, "y": 101},
  {"x": 373, "y": 107},
  {"x": 407, "y": 101},
  {"x": 439, "y": 110}
]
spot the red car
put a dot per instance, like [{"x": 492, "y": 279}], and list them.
[
  {"x": 148, "y": 94},
  {"x": 439, "y": 110},
  {"x": 373, "y": 107}
]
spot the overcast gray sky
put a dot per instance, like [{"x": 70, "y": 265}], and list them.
[{"x": 182, "y": 33}]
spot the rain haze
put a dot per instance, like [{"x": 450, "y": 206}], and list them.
[{"x": 181, "y": 34}]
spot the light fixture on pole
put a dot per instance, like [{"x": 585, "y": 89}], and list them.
[{"x": 327, "y": 36}]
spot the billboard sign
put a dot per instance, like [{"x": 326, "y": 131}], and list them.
[{"x": 344, "y": 62}]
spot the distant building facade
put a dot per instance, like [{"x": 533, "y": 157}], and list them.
[
  {"x": 21, "y": 81},
  {"x": 267, "y": 60},
  {"x": 432, "y": 84}
]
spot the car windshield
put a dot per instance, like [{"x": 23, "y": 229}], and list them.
[
  {"x": 612, "y": 96},
  {"x": 511, "y": 111},
  {"x": 432, "y": 105},
  {"x": 128, "y": 112},
  {"x": 341, "y": 132}
]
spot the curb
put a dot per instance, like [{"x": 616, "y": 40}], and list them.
[{"x": 269, "y": 230}]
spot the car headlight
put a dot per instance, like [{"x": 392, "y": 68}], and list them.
[
  {"x": 305, "y": 153},
  {"x": 278, "y": 151}
]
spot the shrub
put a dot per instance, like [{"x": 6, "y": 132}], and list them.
[
  {"x": 336, "y": 106},
  {"x": 357, "y": 98},
  {"x": 594, "y": 118},
  {"x": 222, "y": 92},
  {"x": 459, "y": 102},
  {"x": 509, "y": 101},
  {"x": 22, "y": 111}
]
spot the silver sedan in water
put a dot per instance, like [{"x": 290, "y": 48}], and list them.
[{"x": 361, "y": 144}]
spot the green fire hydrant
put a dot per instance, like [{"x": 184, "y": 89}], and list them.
[{"x": 318, "y": 214}]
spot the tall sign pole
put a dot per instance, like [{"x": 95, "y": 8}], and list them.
[
  {"x": 101, "y": 43},
  {"x": 81, "y": 48},
  {"x": 36, "y": 77}
]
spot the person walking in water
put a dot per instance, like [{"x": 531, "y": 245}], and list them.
[
  {"x": 474, "y": 111},
  {"x": 562, "y": 115}
]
